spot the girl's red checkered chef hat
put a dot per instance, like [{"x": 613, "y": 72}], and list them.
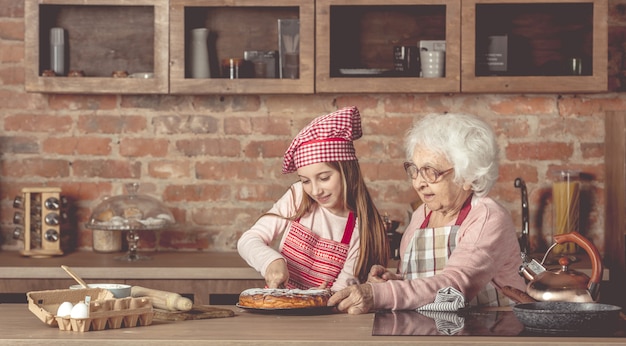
[{"x": 327, "y": 138}]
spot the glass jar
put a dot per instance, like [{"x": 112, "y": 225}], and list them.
[
  {"x": 106, "y": 241},
  {"x": 566, "y": 206}
]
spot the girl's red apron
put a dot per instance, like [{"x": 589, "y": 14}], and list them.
[
  {"x": 312, "y": 260},
  {"x": 429, "y": 250}
]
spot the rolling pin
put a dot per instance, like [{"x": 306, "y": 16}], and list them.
[{"x": 162, "y": 299}]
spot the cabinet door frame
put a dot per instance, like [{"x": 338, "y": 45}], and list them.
[
  {"x": 324, "y": 83},
  {"x": 597, "y": 82},
  {"x": 96, "y": 85},
  {"x": 181, "y": 85}
]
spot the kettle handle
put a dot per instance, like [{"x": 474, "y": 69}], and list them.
[{"x": 592, "y": 251}]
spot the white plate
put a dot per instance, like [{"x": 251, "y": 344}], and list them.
[{"x": 362, "y": 71}]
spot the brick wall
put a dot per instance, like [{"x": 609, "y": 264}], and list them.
[{"x": 215, "y": 160}]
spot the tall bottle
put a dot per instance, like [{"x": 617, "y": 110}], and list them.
[
  {"x": 57, "y": 51},
  {"x": 199, "y": 53}
]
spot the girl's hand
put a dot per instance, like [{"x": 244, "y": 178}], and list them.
[
  {"x": 276, "y": 275},
  {"x": 379, "y": 273}
]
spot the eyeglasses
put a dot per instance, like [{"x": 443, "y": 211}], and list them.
[{"x": 429, "y": 174}]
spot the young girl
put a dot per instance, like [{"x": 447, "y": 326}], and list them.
[{"x": 330, "y": 231}]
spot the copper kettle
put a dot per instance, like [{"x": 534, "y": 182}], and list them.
[{"x": 564, "y": 284}]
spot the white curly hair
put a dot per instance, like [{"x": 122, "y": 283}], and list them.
[{"x": 466, "y": 141}]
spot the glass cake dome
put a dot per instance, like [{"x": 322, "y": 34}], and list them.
[{"x": 130, "y": 212}]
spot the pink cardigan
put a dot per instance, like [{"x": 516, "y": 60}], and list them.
[{"x": 487, "y": 250}]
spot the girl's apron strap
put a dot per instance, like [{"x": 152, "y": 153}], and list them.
[{"x": 347, "y": 233}]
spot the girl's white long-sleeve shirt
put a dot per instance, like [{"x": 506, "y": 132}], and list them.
[{"x": 258, "y": 245}]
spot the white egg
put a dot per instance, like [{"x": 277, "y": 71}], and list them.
[
  {"x": 80, "y": 310},
  {"x": 65, "y": 309}
]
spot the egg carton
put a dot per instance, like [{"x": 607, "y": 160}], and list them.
[{"x": 105, "y": 311}]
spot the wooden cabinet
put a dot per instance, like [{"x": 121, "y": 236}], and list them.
[
  {"x": 345, "y": 46},
  {"x": 360, "y": 35},
  {"x": 549, "y": 42},
  {"x": 101, "y": 36},
  {"x": 237, "y": 26}
]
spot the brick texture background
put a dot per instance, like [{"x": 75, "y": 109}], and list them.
[{"x": 215, "y": 160}]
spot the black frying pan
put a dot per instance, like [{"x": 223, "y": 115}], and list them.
[{"x": 567, "y": 316}]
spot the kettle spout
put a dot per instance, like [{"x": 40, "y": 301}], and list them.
[{"x": 525, "y": 238}]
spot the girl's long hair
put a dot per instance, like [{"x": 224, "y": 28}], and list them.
[{"x": 373, "y": 248}]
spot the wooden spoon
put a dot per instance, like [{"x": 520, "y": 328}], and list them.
[{"x": 75, "y": 276}]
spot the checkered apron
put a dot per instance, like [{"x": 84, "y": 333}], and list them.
[
  {"x": 312, "y": 260},
  {"x": 428, "y": 253}
]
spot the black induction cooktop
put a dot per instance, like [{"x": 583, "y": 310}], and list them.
[{"x": 469, "y": 323}]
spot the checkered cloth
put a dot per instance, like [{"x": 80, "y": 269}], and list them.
[
  {"x": 447, "y": 299},
  {"x": 327, "y": 138}
]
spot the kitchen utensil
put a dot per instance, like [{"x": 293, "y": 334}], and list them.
[
  {"x": 553, "y": 317},
  {"x": 162, "y": 299},
  {"x": 565, "y": 284},
  {"x": 524, "y": 240},
  {"x": 75, "y": 276}
]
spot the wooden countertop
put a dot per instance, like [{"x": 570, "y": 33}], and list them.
[
  {"x": 163, "y": 265},
  {"x": 20, "y": 326}
]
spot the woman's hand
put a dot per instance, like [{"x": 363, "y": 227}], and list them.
[
  {"x": 355, "y": 299},
  {"x": 276, "y": 275},
  {"x": 379, "y": 273}
]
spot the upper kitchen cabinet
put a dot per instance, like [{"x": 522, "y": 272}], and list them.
[
  {"x": 359, "y": 45},
  {"x": 534, "y": 46},
  {"x": 252, "y": 46},
  {"x": 96, "y": 46}
]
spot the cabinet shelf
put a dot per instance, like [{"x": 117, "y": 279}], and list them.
[
  {"x": 235, "y": 27},
  {"x": 543, "y": 38},
  {"x": 102, "y": 36},
  {"x": 362, "y": 34},
  {"x": 335, "y": 36}
]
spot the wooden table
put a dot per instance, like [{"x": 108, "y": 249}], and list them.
[
  {"x": 197, "y": 274},
  {"x": 20, "y": 326}
]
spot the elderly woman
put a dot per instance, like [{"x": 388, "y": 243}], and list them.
[{"x": 458, "y": 237}]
